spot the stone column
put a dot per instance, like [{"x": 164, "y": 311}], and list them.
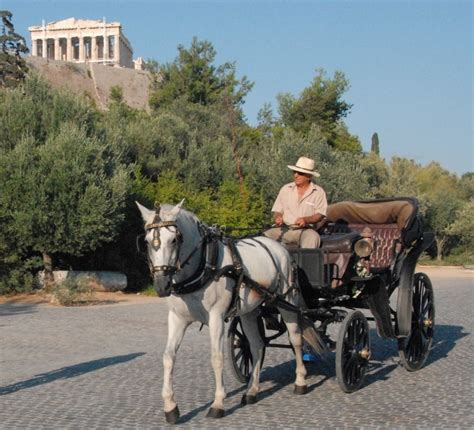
[
  {"x": 57, "y": 50},
  {"x": 34, "y": 48},
  {"x": 117, "y": 49},
  {"x": 94, "y": 48},
  {"x": 44, "y": 44},
  {"x": 68, "y": 49},
  {"x": 81, "y": 49},
  {"x": 106, "y": 47}
]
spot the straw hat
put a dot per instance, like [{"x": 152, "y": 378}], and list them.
[{"x": 304, "y": 165}]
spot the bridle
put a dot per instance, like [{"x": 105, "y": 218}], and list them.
[{"x": 155, "y": 227}]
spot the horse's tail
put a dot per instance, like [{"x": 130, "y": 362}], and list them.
[{"x": 311, "y": 335}]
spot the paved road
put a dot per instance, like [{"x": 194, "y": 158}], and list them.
[{"x": 99, "y": 367}]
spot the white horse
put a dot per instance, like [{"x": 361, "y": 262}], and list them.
[{"x": 197, "y": 289}]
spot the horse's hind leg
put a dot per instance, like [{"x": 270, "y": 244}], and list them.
[
  {"x": 294, "y": 332},
  {"x": 176, "y": 328},
  {"x": 250, "y": 327},
  {"x": 216, "y": 330}
]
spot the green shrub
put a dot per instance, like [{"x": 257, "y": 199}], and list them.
[{"x": 72, "y": 292}]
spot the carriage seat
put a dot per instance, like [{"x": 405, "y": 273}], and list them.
[
  {"x": 394, "y": 224},
  {"x": 339, "y": 242}
]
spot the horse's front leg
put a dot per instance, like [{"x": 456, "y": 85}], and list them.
[
  {"x": 176, "y": 328},
  {"x": 216, "y": 330},
  {"x": 251, "y": 331}
]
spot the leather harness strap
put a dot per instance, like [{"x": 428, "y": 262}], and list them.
[{"x": 204, "y": 272}]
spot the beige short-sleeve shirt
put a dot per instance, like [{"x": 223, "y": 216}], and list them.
[{"x": 293, "y": 207}]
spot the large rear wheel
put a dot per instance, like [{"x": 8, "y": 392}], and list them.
[
  {"x": 352, "y": 352},
  {"x": 238, "y": 348},
  {"x": 414, "y": 348}
]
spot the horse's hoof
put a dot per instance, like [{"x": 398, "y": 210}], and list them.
[
  {"x": 248, "y": 400},
  {"x": 172, "y": 416},
  {"x": 301, "y": 389},
  {"x": 215, "y": 413}
]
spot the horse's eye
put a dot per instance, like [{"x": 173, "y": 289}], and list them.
[{"x": 173, "y": 241}]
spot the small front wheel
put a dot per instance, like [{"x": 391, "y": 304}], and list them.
[
  {"x": 352, "y": 352},
  {"x": 238, "y": 348},
  {"x": 414, "y": 348}
]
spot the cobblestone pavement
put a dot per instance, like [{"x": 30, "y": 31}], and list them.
[{"x": 99, "y": 367}]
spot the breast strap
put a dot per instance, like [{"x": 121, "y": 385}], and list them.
[{"x": 204, "y": 272}]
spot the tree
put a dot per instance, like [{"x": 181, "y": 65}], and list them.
[
  {"x": 344, "y": 141},
  {"x": 63, "y": 197},
  {"x": 377, "y": 175},
  {"x": 151, "y": 66},
  {"x": 319, "y": 105},
  {"x": 442, "y": 210},
  {"x": 463, "y": 225},
  {"x": 37, "y": 110},
  {"x": 442, "y": 197},
  {"x": 12, "y": 66},
  {"x": 341, "y": 174},
  {"x": 193, "y": 76},
  {"x": 401, "y": 178},
  {"x": 467, "y": 185},
  {"x": 375, "y": 147}
]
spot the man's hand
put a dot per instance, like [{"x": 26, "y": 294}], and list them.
[
  {"x": 300, "y": 222},
  {"x": 278, "y": 219}
]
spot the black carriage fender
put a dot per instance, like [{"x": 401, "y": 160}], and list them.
[{"x": 405, "y": 288}]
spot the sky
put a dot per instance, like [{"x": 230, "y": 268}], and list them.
[{"x": 409, "y": 63}]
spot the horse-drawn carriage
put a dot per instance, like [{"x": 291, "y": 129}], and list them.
[{"x": 369, "y": 252}]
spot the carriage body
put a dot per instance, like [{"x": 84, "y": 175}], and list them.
[{"x": 368, "y": 254}]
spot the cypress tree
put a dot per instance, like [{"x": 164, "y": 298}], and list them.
[{"x": 375, "y": 144}]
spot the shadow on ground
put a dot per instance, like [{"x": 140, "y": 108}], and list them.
[
  {"x": 68, "y": 372},
  {"x": 12, "y": 308}
]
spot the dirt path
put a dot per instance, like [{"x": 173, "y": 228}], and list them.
[{"x": 119, "y": 298}]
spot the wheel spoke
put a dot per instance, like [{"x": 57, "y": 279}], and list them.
[{"x": 239, "y": 355}]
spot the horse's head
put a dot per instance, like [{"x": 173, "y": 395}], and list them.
[{"x": 163, "y": 239}]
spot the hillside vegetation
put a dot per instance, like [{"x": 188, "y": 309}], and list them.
[{"x": 76, "y": 154}]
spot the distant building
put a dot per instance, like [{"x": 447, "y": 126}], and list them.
[
  {"x": 139, "y": 63},
  {"x": 82, "y": 41}
]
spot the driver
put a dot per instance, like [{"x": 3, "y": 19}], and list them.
[{"x": 299, "y": 204}]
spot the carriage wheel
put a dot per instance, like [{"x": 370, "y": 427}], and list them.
[
  {"x": 414, "y": 348},
  {"x": 352, "y": 352},
  {"x": 238, "y": 348}
]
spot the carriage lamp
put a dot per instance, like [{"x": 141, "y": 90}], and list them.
[{"x": 364, "y": 246}]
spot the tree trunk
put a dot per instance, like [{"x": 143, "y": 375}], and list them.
[
  {"x": 48, "y": 272},
  {"x": 440, "y": 248}
]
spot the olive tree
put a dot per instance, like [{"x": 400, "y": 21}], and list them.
[{"x": 63, "y": 197}]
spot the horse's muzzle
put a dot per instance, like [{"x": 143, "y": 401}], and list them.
[{"x": 162, "y": 284}]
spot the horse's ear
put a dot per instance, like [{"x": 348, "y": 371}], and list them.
[
  {"x": 147, "y": 214},
  {"x": 177, "y": 208}
]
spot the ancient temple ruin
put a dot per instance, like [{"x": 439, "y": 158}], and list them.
[{"x": 82, "y": 41}]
